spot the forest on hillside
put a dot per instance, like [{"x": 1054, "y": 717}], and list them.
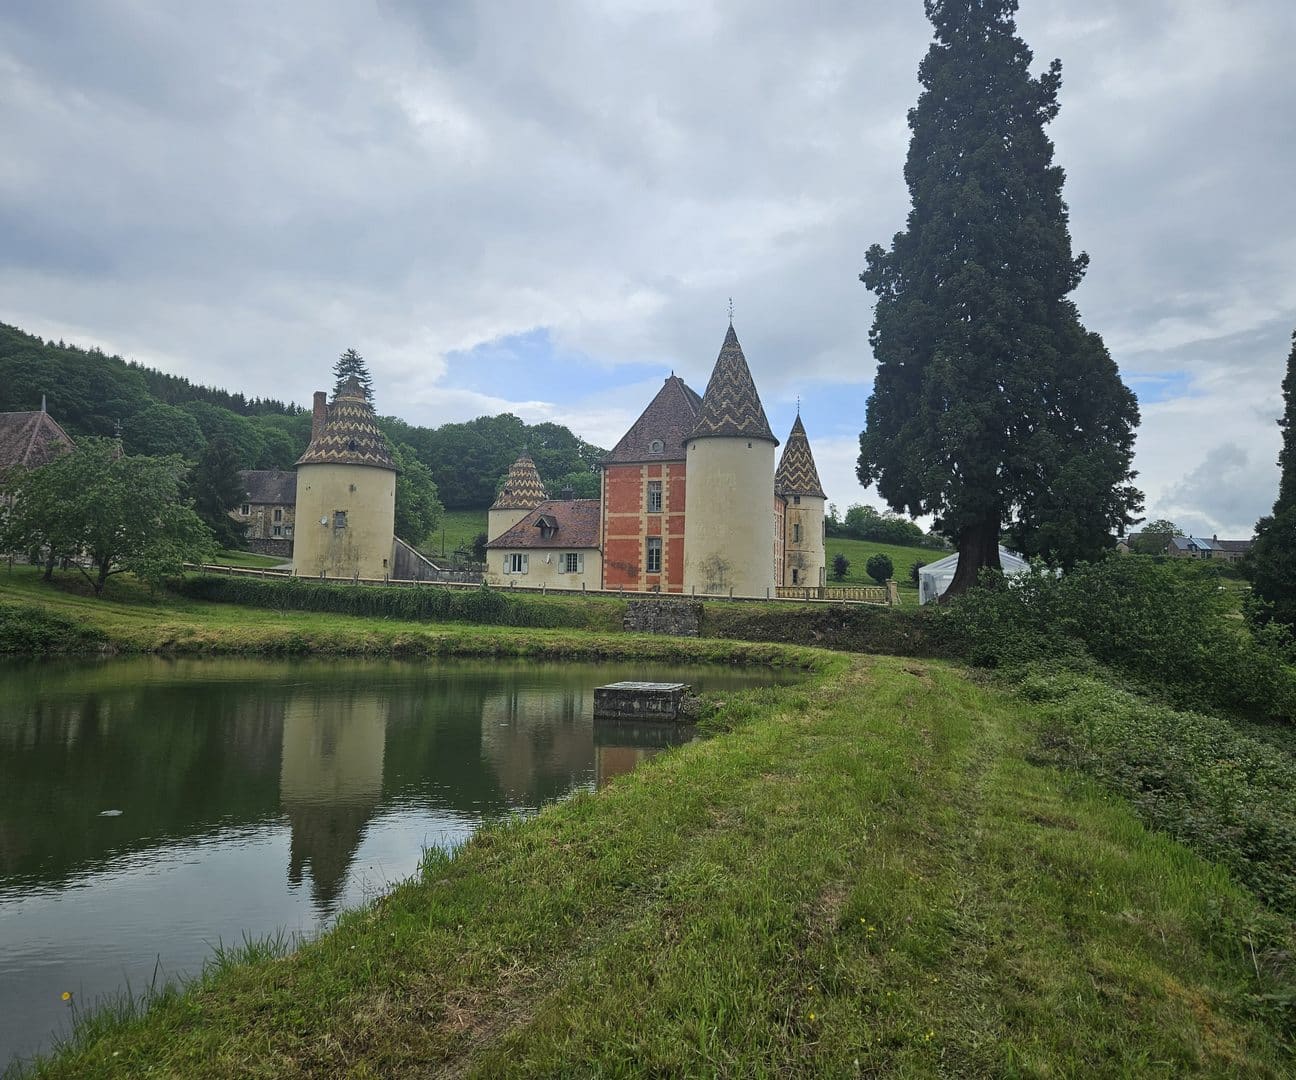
[{"x": 92, "y": 393}]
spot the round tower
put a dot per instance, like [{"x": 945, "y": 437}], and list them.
[
  {"x": 522, "y": 492},
  {"x": 346, "y": 492},
  {"x": 797, "y": 483},
  {"x": 729, "y": 486}
]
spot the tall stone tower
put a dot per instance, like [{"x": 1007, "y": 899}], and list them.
[
  {"x": 729, "y": 490},
  {"x": 797, "y": 483},
  {"x": 346, "y": 492},
  {"x": 522, "y": 492}
]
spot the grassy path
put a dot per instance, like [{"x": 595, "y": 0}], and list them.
[{"x": 865, "y": 877}]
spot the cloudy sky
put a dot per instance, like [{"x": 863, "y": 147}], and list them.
[{"x": 544, "y": 207}]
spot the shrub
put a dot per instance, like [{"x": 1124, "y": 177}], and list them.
[
  {"x": 914, "y": 569},
  {"x": 879, "y": 568},
  {"x": 840, "y": 567},
  {"x": 33, "y": 632},
  {"x": 486, "y": 606}
]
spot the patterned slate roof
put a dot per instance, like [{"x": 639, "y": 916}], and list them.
[
  {"x": 731, "y": 408},
  {"x": 669, "y": 418},
  {"x": 796, "y": 473},
  {"x": 570, "y": 524},
  {"x": 350, "y": 435},
  {"x": 30, "y": 439},
  {"x": 269, "y": 486},
  {"x": 523, "y": 488}
]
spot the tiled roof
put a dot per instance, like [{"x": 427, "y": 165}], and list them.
[
  {"x": 570, "y": 524},
  {"x": 30, "y": 439},
  {"x": 523, "y": 488},
  {"x": 731, "y": 408},
  {"x": 669, "y": 418},
  {"x": 351, "y": 435},
  {"x": 796, "y": 473},
  {"x": 1234, "y": 545},
  {"x": 269, "y": 486}
]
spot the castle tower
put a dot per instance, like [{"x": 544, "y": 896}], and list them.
[
  {"x": 797, "y": 483},
  {"x": 728, "y": 520},
  {"x": 346, "y": 492},
  {"x": 522, "y": 492}
]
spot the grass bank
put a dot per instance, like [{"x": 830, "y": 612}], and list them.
[{"x": 865, "y": 875}]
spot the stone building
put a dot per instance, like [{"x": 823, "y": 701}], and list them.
[
  {"x": 346, "y": 492},
  {"x": 29, "y": 440},
  {"x": 268, "y": 512},
  {"x": 690, "y": 502}
]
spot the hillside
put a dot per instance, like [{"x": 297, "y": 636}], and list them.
[{"x": 92, "y": 393}]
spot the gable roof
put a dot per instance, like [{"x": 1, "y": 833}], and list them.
[
  {"x": 1194, "y": 543},
  {"x": 272, "y": 486},
  {"x": 350, "y": 435},
  {"x": 31, "y": 439},
  {"x": 669, "y": 417},
  {"x": 731, "y": 407},
  {"x": 523, "y": 489},
  {"x": 1234, "y": 545},
  {"x": 796, "y": 473},
  {"x": 569, "y": 524}
]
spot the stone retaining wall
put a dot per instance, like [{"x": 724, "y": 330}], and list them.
[{"x": 679, "y": 618}]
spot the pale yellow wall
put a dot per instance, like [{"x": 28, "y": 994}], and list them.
[
  {"x": 364, "y": 547},
  {"x": 548, "y": 574},
  {"x": 808, "y": 555},
  {"x": 728, "y": 529},
  {"x": 498, "y": 522},
  {"x": 333, "y": 749}
]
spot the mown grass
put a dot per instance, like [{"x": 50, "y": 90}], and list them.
[
  {"x": 865, "y": 876},
  {"x": 251, "y": 559},
  {"x": 860, "y": 551},
  {"x": 458, "y": 529}
]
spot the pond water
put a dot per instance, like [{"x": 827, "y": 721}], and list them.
[{"x": 152, "y": 808}]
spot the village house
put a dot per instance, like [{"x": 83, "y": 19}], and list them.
[
  {"x": 1198, "y": 547},
  {"x": 269, "y": 510}
]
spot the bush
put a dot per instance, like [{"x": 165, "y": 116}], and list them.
[
  {"x": 879, "y": 568},
  {"x": 914, "y": 569},
  {"x": 1166, "y": 627},
  {"x": 32, "y": 632},
  {"x": 1229, "y": 796},
  {"x": 491, "y": 607},
  {"x": 840, "y": 567}
]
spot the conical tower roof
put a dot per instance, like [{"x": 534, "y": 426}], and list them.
[
  {"x": 350, "y": 435},
  {"x": 523, "y": 489},
  {"x": 731, "y": 408},
  {"x": 796, "y": 473}
]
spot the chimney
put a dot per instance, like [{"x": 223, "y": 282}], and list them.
[
  {"x": 567, "y": 494},
  {"x": 319, "y": 415}
]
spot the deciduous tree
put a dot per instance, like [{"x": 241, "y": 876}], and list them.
[{"x": 992, "y": 405}]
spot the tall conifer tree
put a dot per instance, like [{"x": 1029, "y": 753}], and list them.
[
  {"x": 351, "y": 365},
  {"x": 993, "y": 407},
  {"x": 1272, "y": 561}
]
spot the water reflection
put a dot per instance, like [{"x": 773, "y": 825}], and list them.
[
  {"x": 620, "y": 746},
  {"x": 256, "y": 796}
]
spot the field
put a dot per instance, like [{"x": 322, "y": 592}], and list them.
[
  {"x": 860, "y": 551},
  {"x": 458, "y": 529},
  {"x": 247, "y": 559}
]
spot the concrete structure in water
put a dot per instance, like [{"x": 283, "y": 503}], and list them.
[
  {"x": 346, "y": 492},
  {"x": 690, "y": 502}
]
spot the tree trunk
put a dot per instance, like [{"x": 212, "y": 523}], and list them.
[
  {"x": 978, "y": 548},
  {"x": 49, "y": 566},
  {"x": 103, "y": 576}
]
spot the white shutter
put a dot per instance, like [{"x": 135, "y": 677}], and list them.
[
  {"x": 526, "y": 559},
  {"x": 580, "y": 563}
]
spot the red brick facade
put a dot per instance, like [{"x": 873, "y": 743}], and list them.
[{"x": 629, "y": 521}]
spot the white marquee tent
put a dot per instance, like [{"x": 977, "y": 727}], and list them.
[{"x": 935, "y": 578}]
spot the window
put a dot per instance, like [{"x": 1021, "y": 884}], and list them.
[
  {"x": 654, "y": 496},
  {"x": 796, "y": 500},
  {"x": 339, "y": 519},
  {"x": 796, "y": 532},
  {"x": 654, "y": 555},
  {"x": 278, "y": 530},
  {"x": 287, "y": 530},
  {"x": 794, "y": 575},
  {"x": 278, "y": 514},
  {"x": 245, "y": 510},
  {"x": 656, "y": 446},
  {"x": 515, "y": 563},
  {"x": 573, "y": 562}
]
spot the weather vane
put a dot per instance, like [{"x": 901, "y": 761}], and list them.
[
  {"x": 798, "y": 404},
  {"x": 731, "y": 311}
]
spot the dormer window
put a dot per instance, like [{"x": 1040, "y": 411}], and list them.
[
  {"x": 547, "y": 524},
  {"x": 656, "y": 446}
]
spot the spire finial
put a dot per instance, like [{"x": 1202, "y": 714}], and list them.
[
  {"x": 798, "y": 404},
  {"x": 731, "y": 311}
]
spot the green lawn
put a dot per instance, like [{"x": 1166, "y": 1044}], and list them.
[
  {"x": 247, "y": 559},
  {"x": 859, "y": 553},
  {"x": 457, "y": 529}
]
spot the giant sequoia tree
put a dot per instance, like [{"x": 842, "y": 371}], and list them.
[
  {"x": 1272, "y": 562},
  {"x": 993, "y": 407}
]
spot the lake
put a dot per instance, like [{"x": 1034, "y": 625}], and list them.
[{"x": 152, "y": 808}]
